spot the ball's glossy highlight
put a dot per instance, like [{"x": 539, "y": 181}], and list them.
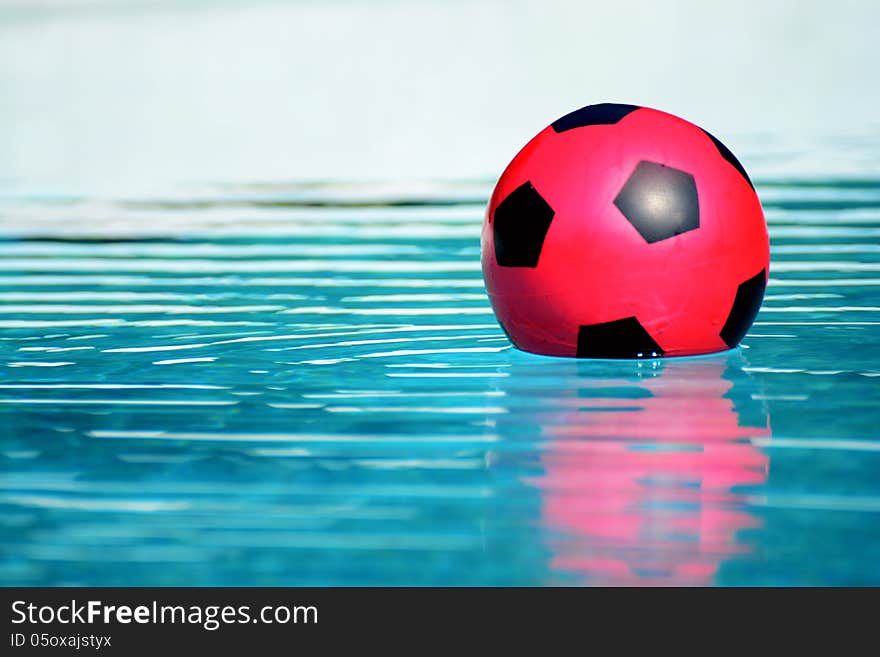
[{"x": 625, "y": 232}]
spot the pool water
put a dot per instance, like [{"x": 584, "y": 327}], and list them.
[{"x": 305, "y": 385}]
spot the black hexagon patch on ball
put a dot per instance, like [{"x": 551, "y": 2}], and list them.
[
  {"x": 601, "y": 114},
  {"x": 659, "y": 201},
  {"x": 622, "y": 338},
  {"x": 746, "y": 304},
  {"x": 520, "y": 225},
  {"x": 730, "y": 157}
]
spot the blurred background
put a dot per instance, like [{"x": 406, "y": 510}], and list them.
[{"x": 120, "y": 95}]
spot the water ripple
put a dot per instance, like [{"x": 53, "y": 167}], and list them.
[{"x": 250, "y": 372}]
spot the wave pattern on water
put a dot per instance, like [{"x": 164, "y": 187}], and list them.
[{"x": 305, "y": 385}]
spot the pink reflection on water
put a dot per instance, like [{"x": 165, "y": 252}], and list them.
[{"x": 639, "y": 491}]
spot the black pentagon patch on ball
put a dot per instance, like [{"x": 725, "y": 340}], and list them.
[
  {"x": 746, "y": 304},
  {"x": 659, "y": 201},
  {"x": 507, "y": 334},
  {"x": 601, "y": 114},
  {"x": 730, "y": 157},
  {"x": 622, "y": 338},
  {"x": 519, "y": 227}
]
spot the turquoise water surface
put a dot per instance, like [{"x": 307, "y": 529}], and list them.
[{"x": 305, "y": 385}]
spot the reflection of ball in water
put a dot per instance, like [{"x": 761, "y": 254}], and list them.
[
  {"x": 641, "y": 474},
  {"x": 625, "y": 232}
]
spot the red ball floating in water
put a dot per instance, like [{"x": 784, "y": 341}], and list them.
[{"x": 625, "y": 232}]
